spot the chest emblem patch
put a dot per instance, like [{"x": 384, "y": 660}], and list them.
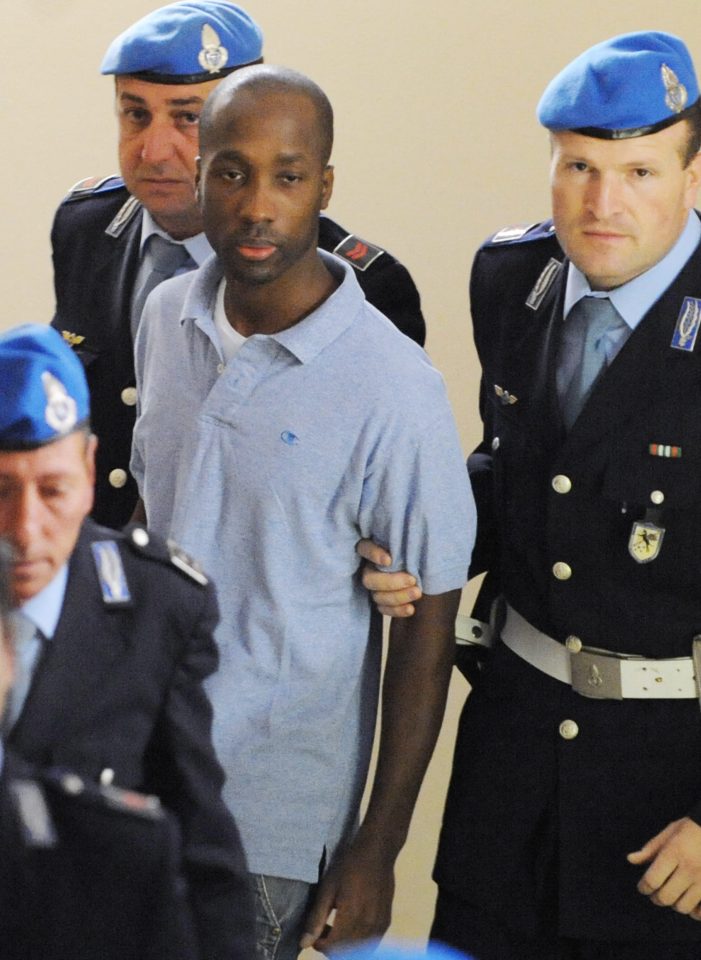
[{"x": 645, "y": 541}]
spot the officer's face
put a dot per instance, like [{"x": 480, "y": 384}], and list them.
[
  {"x": 262, "y": 183},
  {"x": 620, "y": 205},
  {"x": 158, "y": 145},
  {"x": 45, "y": 494}
]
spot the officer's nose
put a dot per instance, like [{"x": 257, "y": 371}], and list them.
[
  {"x": 604, "y": 197},
  {"x": 157, "y": 143}
]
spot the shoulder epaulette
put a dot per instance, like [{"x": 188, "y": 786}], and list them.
[
  {"x": 359, "y": 253},
  {"x": 90, "y": 186},
  {"x": 522, "y": 234},
  {"x": 145, "y": 544}
]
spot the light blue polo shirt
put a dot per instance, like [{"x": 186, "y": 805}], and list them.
[{"x": 269, "y": 470}]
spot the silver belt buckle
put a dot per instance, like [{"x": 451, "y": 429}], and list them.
[{"x": 595, "y": 675}]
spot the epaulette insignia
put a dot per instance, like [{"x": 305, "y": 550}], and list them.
[
  {"x": 129, "y": 801},
  {"x": 93, "y": 184},
  {"x": 358, "y": 252},
  {"x": 122, "y": 217},
  {"x": 687, "y": 327},
  {"x": 72, "y": 339},
  {"x": 512, "y": 233},
  {"x": 34, "y": 814},
  {"x": 183, "y": 561},
  {"x": 110, "y": 572},
  {"x": 543, "y": 283}
]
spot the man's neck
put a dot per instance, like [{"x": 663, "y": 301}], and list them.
[{"x": 271, "y": 307}]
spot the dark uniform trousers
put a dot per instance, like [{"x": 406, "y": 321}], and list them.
[
  {"x": 88, "y": 873},
  {"x": 117, "y": 696},
  {"x": 95, "y": 240},
  {"x": 537, "y": 826}
]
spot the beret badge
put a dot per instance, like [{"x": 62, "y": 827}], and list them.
[
  {"x": 676, "y": 95},
  {"x": 213, "y": 56},
  {"x": 61, "y": 409}
]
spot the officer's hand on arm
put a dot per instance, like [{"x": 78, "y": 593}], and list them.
[
  {"x": 673, "y": 878},
  {"x": 359, "y": 886},
  {"x": 394, "y": 593}
]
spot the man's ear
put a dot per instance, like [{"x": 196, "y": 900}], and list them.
[{"x": 326, "y": 186}]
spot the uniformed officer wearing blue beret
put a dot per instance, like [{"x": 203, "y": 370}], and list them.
[
  {"x": 115, "y": 238},
  {"x": 573, "y": 821},
  {"x": 113, "y": 636},
  {"x": 87, "y": 872}
]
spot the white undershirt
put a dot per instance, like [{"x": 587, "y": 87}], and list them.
[{"x": 230, "y": 340}]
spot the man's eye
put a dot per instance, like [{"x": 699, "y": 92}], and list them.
[
  {"x": 642, "y": 172},
  {"x": 189, "y": 119}
]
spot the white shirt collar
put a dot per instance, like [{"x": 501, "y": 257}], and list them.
[{"x": 44, "y": 609}]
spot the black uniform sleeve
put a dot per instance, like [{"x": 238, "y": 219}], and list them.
[
  {"x": 386, "y": 283},
  {"x": 183, "y": 760}
]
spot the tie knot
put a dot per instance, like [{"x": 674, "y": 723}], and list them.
[{"x": 167, "y": 256}]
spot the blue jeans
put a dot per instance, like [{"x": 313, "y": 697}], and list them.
[{"x": 281, "y": 907}]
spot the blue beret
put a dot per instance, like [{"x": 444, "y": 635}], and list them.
[
  {"x": 629, "y": 86},
  {"x": 370, "y": 950},
  {"x": 187, "y": 42},
  {"x": 44, "y": 390}
]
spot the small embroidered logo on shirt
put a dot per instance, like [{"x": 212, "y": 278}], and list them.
[{"x": 289, "y": 438}]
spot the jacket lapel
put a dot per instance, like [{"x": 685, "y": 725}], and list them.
[
  {"x": 88, "y": 640},
  {"x": 646, "y": 368}
]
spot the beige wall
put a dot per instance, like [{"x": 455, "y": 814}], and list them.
[{"x": 436, "y": 146}]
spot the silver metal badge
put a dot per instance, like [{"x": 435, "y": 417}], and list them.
[
  {"x": 687, "y": 327},
  {"x": 212, "y": 55},
  {"x": 676, "y": 95},
  {"x": 645, "y": 541},
  {"x": 61, "y": 411},
  {"x": 110, "y": 572},
  {"x": 508, "y": 399},
  {"x": 183, "y": 561},
  {"x": 543, "y": 283}
]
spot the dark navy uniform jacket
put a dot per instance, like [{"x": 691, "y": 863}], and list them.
[
  {"x": 96, "y": 260},
  {"x": 119, "y": 689},
  {"x": 88, "y": 873},
  {"x": 522, "y": 798}
]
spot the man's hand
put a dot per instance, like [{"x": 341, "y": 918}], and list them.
[
  {"x": 359, "y": 889},
  {"x": 673, "y": 878},
  {"x": 393, "y": 593}
]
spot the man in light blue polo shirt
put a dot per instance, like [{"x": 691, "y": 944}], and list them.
[{"x": 281, "y": 419}]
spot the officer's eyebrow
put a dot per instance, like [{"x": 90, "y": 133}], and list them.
[{"x": 173, "y": 102}]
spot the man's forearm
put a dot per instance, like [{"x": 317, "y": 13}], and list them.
[{"x": 417, "y": 674}]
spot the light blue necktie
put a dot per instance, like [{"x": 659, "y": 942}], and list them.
[
  {"x": 593, "y": 329},
  {"x": 166, "y": 257},
  {"x": 27, "y": 642}
]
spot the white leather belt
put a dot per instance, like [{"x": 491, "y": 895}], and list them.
[{"x": 600, "y": 673}]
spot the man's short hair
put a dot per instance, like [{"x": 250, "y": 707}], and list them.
[{"x": 271, "y": 79}]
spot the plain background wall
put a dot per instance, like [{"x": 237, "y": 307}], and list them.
[{"x": 436, "y": 147}]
